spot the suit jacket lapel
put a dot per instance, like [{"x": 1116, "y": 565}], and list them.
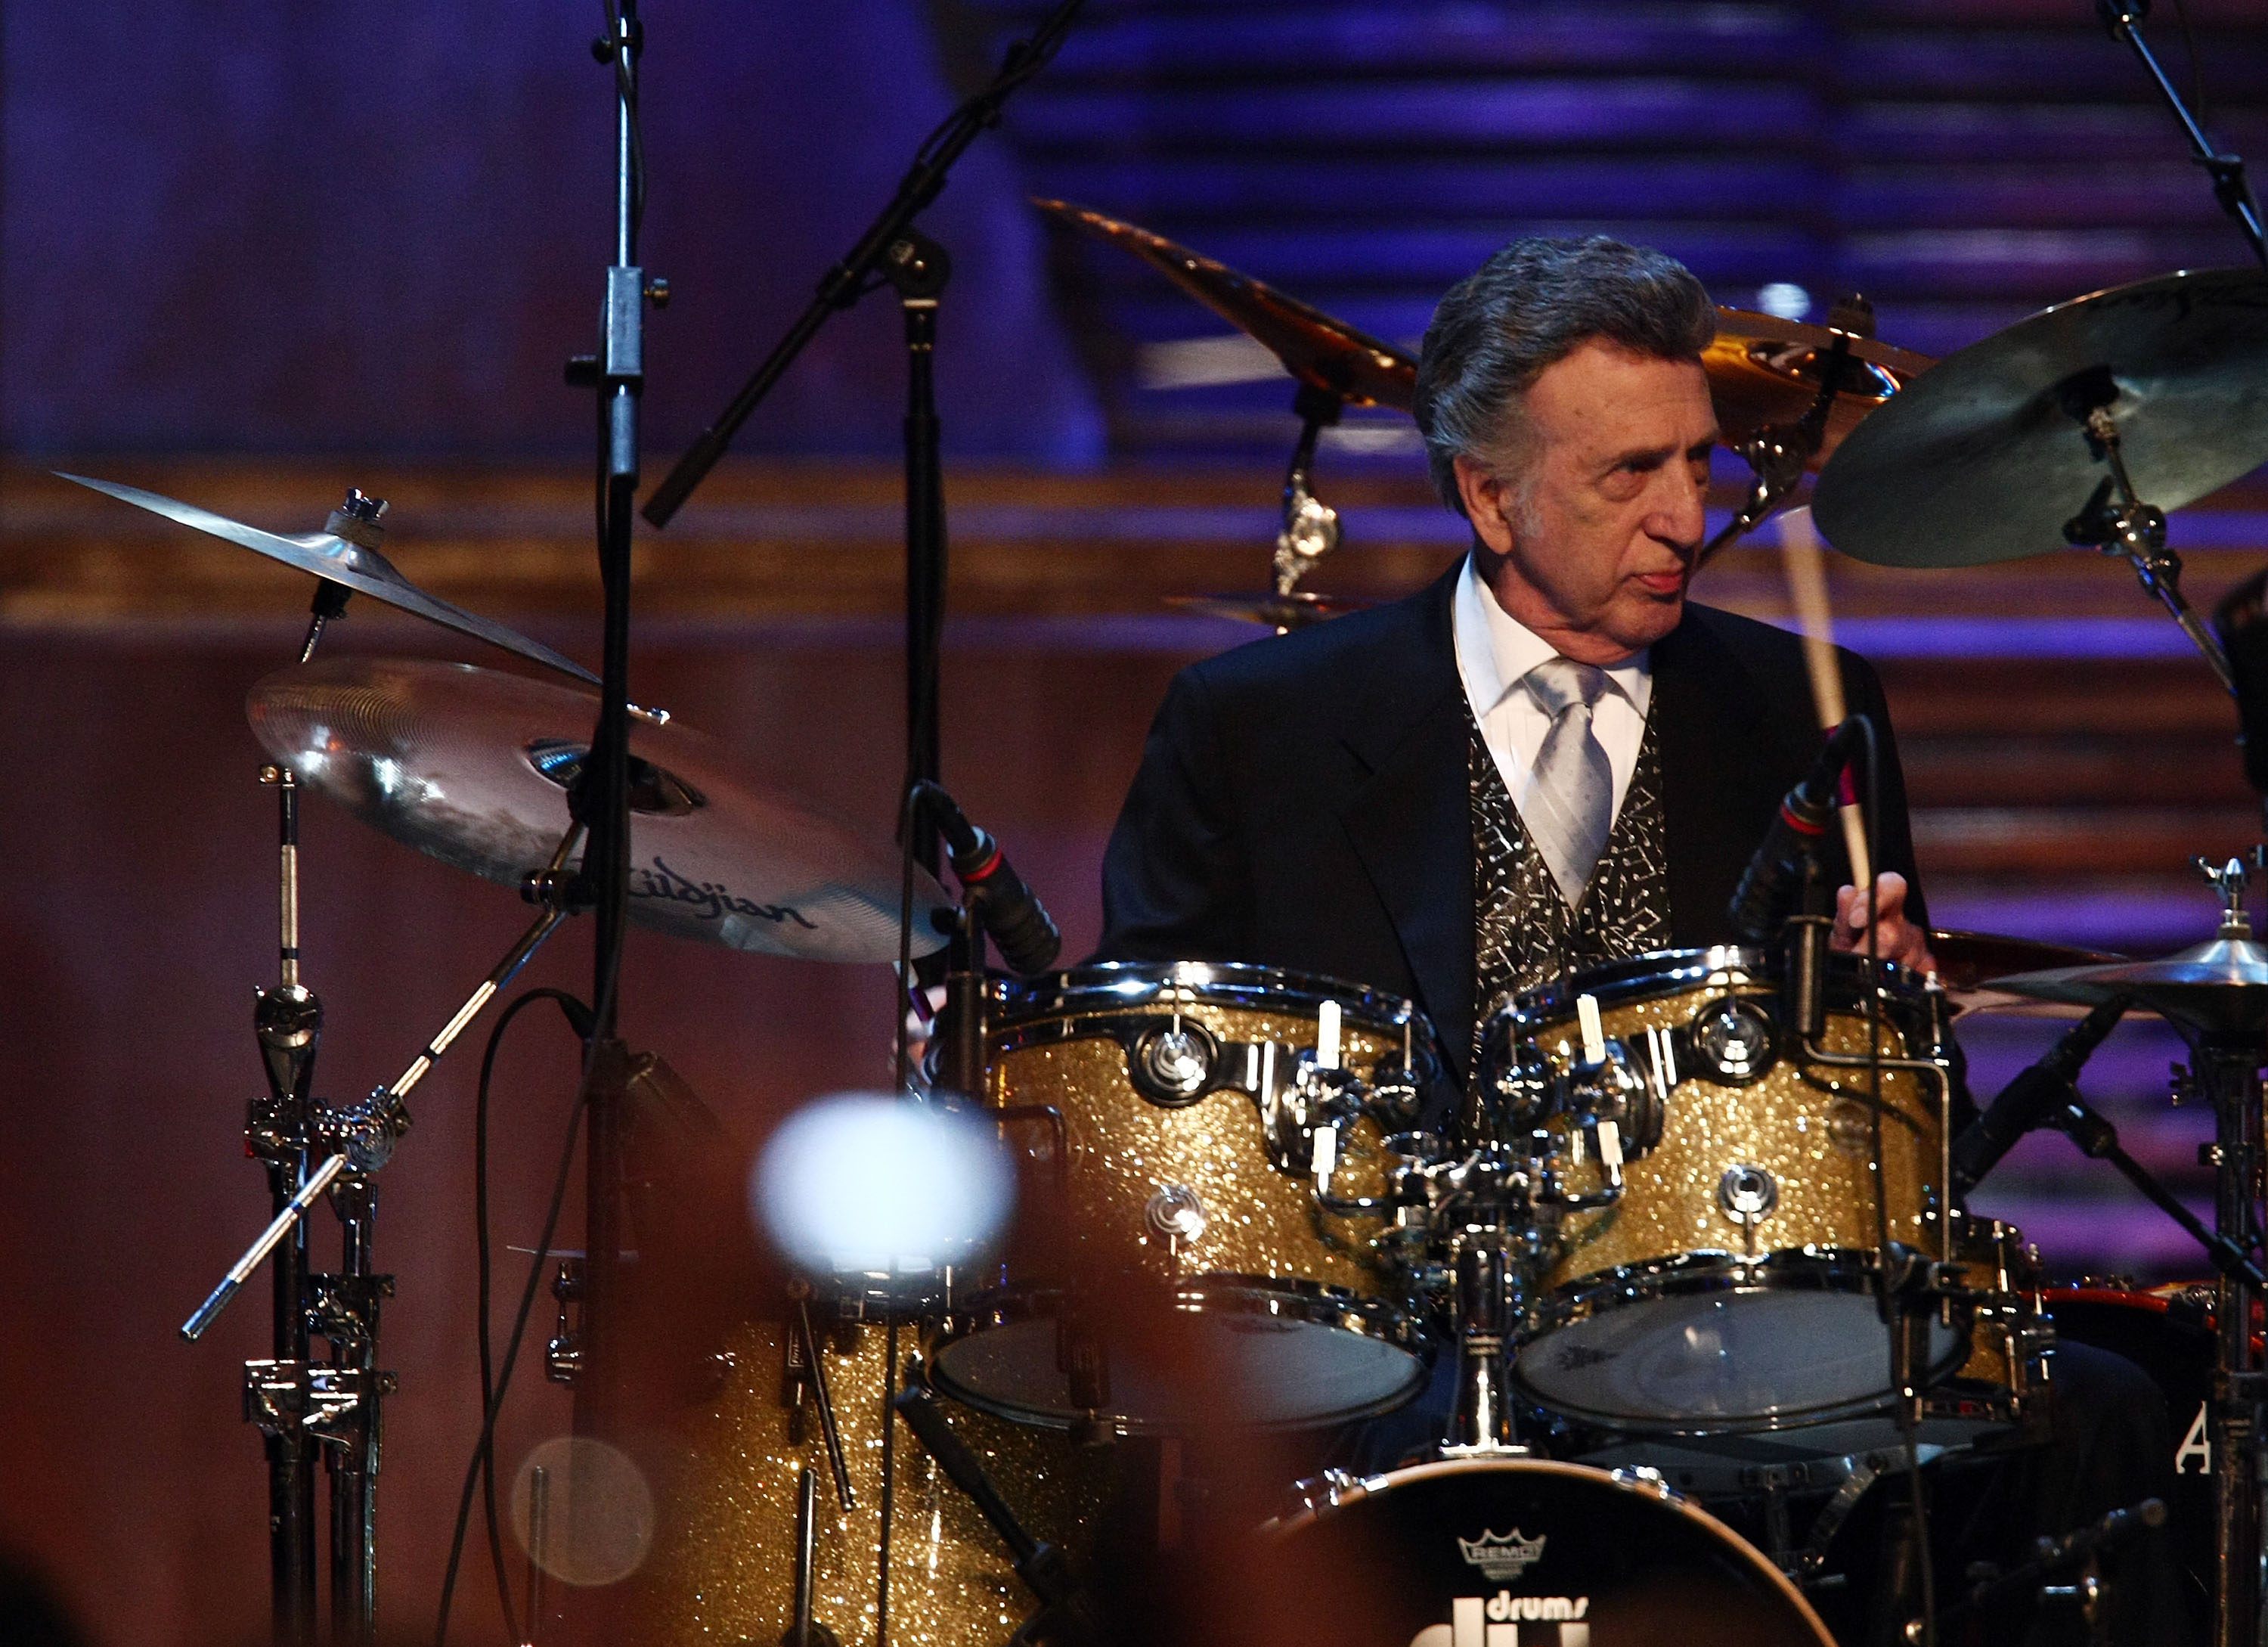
[
  {"x": 1409, "y": 820},
  {"x": 1718, "y": 792}
]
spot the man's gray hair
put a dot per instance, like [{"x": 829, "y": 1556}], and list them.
[{"x": 1530, "y": 305}]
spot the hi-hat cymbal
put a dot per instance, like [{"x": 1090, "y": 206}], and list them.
[
  {"x": 1319, "y": 351},
  {"x": 1764, "y": 370},
  {"x": 2219, "y": 985},
  {"x": 472, "y": 767},
  {"x": 1986, "y": 457},
  {"x": 1969, "y": 964},
  {"x": 1295, "y": 610},
  {"x": 354, "y": 565}
]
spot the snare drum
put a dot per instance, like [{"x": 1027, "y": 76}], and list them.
[
  {"x": 1169, "y": 1119},
  {"x": 1731, "y": 1285}
]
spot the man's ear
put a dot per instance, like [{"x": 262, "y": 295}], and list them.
[{"x": 1488, "y": 504}]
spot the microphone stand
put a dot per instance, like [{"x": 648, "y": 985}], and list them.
[
  {"x": 867, "y": 262},
  {"x": 2226, "y": 170},
  {"x": 600, "y": 799},
  {"x": 2098, "y": 1139}
]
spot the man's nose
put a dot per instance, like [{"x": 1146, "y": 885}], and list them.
[{"x": 1680, "y": 517}]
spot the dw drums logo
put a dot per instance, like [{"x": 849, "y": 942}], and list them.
[
  {"x": 1502, "y": 1556},
  {"x": 1505, "y": 1620}
]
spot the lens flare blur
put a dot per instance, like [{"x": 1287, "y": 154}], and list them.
[{"x": 858, "y": 1182}]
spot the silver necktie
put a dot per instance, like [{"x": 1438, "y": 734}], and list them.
[{"x": 1570, "y": 804}]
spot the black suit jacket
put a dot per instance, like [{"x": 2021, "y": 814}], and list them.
[{"x": 1303, "y": 801}]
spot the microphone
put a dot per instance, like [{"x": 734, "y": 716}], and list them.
[
  {"x": 1007, "y": 908},
  {"x": 2030, "y": 1100},
  {"x": 2242, "y": 620},
  {"x": 1773, "y": 882}
]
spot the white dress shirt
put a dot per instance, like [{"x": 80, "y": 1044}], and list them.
[{"x": 1495, "y": 652}]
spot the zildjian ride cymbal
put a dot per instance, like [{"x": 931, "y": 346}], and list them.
[
  {"x": 472, "y": 767},
  {"x": 1988, "y": 456},
  {"x": 354, "y": 565},
  {"x": 1761, "y": 370}
]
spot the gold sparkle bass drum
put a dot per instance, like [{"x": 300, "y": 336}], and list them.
[
  {"x": 1212, "y": 1138},
  {"x": 1719, "y": 1269}
]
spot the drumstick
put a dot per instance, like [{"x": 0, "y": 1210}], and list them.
[{"x": 1806, "y": 589}]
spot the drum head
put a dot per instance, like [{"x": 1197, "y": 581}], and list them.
[
  {"x": 1281, "y": 1356},
  {"x": 1718, "y": 1360},
  {"x": 1522, "y": 1553}
]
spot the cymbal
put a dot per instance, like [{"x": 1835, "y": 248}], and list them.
[
  {"x": 471, "y": 766},
  {"x": 1969, "y": 964},
  {"x": 1987, "y": 456},
  {"x": 1764, "y": 370},
  {"x": 2219, "y": 985},
  {"x": 355, "y": 565},
  {"x": 1319, "y": 351},
  {"x": 1295, "y": 610}
]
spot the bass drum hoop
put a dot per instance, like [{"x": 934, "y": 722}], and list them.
[
  {"x": 1843, "y": 1271},
  {"x": 1283, "y": 1298},
  {"x": 1321, "y": 1503}
]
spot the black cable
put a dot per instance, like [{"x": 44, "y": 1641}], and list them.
[
  {"x": 487, "y": 1439},
  {"x": 574, "y": 1010}
]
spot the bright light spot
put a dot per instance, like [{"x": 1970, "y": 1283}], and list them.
[
  {"x": 861, "y": 1183},
  {"x": 387, "y": 772},
  {"x": 583, "y": 1511},
  {"x": 1784, "y": 300},
  {"x": 1190, "y": 362}
]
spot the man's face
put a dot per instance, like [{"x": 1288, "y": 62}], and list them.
[{"x": 1591, "y": 546}]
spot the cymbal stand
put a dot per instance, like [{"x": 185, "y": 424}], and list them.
[
  {"x": 2225, "y": 1072},
  {"x": 1781, "y": 453},
  {"x": 2226, "y": 170},
  {"x": 311, "y": 1149},
  {"x": 2128, "y": 526},
  {"x": 1311, "y": 526}
]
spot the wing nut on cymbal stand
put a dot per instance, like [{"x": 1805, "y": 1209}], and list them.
[{"x": 2129, "y": 526}]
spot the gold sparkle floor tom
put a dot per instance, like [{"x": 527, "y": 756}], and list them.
[
  {"x": 1170, "y": 1119},
  {"x": 1732, "y": 1284}
]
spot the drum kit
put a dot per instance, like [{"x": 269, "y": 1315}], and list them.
[{"x": 1690, "y": 1249}]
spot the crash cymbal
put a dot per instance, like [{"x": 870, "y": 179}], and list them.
[
  {"x": 355, "y": 565},
  {"x": 1987, "y": 456},
  {"x": 1968, "y": 964},
  {"x": 1763, "y": 370},
  {"x": 2220, "y": 985},
  {"x": 1295, "y": 610},
  {"x": 1319, "y": 351},
  {"x": 472, "y": 767}
]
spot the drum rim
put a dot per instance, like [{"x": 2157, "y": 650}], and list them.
[
  {"x": 1324, "y": 1499},
  {"x": 1295, "y": 1298},
  {"x": 1109, "y": 989},
  {"x": 1698, "y": 1274},
  {"x": 1642, "y": 978}
]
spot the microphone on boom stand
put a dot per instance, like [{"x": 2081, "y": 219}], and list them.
[
  {"x": 2030, "y": 1100},
  {"x": 1009, "y": 910},
  {"x": 1773, "y": 885}
]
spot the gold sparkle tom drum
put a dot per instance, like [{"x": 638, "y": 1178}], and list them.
[
  {"x": 1211, "y": 1134},
  {"x": 1729, "y": 1282}
]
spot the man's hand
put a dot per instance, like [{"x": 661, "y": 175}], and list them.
[{"x": 1898, "y": 939}]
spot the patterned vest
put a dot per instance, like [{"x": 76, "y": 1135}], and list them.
[{"x": 1524, "y": 934}]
